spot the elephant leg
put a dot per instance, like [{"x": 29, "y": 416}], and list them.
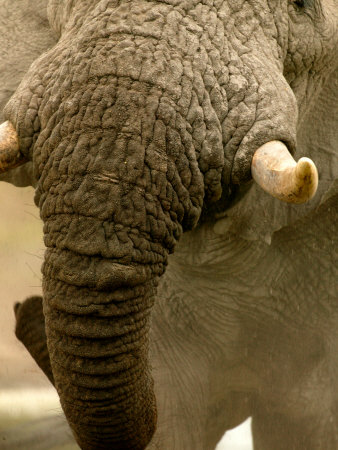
[
  {"x": 280, "y": 431},
  {"x": 30, "y": 330}
]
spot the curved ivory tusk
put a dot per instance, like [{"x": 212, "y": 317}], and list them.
[
  {"x": 275, "y": 170},
  {"x": 10, "y": 156}
]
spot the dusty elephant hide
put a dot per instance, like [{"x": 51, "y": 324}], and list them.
[{"x": 178, "y": 297}]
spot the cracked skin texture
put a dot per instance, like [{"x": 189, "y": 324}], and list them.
[{"x": 141, "y": 118}]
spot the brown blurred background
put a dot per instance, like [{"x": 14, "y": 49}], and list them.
[
  {"x": 30, "y": 414},
  {"x": 21, "y": 252}
]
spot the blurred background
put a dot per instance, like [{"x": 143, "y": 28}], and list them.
[{"x": 30, "y": 413}]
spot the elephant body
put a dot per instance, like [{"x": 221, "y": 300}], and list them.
[
  {"x": 179, "y": 299},
  {"x": 258, "y": 342}
]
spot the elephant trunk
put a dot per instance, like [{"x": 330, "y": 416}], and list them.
[
  {"x": 114, "y": 203},
  {"x": 97, "y": 319}
]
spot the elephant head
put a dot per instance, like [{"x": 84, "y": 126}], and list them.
[{"x": 144, "y": 119}]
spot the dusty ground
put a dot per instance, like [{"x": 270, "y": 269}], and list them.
[{"x": 30, "y": 414}]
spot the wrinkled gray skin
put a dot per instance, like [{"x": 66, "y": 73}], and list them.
[
  {"x": 141, "y": 122},
  {"x": 25, "y": 34}
]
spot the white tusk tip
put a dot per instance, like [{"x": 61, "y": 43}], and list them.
[{"x": 307, "y": 176}]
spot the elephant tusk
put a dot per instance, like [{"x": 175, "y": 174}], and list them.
[
  {"x": 275, "y": 170},
  {"x": 10, "y": 156}
]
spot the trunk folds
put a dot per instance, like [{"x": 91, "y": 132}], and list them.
[{"x": 98, "y": 344}]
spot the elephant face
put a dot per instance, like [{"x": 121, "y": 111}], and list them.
[{"x": 144, "y": 117}]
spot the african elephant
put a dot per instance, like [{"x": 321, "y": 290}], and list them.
[{"x": 144, "y": 124}]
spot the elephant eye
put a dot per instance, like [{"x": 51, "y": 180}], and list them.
[
  {"x": 299, "y": 3},
  {"x": 311, "y": 7}
]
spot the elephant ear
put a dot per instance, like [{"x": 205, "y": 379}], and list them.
[
  {"x": 24, "y": 35},
  {"x": 256, "y": 216}
]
